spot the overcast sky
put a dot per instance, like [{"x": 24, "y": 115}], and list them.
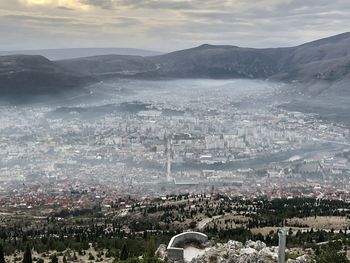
[{"x": 167, "y": 25}]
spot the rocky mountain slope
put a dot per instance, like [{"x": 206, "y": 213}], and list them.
[{"x": 30, "y": 75}]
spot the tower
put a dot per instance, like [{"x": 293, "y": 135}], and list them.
[
  {"x": 168, "y": 174},
  {"x": 282, "y": 238}
]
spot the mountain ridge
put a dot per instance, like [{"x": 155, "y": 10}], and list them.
[
  {"x": 324, "y": 60},
  {"x": 71, "y": 53}
]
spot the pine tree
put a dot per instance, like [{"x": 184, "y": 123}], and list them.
[
  {"x": 2, "y": 257},
  {"x": 124, "y": 254},
  {"x": 54, "y": 259},
  {"x": 27, "y": 257},
  {"x": 151, "y": 249},
  {"x": 64, "y": 259}
]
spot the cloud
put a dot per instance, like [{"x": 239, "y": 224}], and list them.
[
  {"x": 65, "y": 8},
  {"x": 157, "y": 4},
  {"x": 140, "y": 4},
  {"x": 104, "y": 4},
  {"x": 41, "y": 19},
  {"x": 68, "y": 4},
  {"x": 170, "y": 24}
]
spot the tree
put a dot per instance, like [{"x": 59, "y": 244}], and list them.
[
  {"x": 27, "y": 257},
  {"x": 124, "y": 254},
  {"x": 54, "y": 259},
  {"x": 321, "y": 237},
  {"x": 151, "y": 248},
  {"x": 330, "y": 255},
  {"x": 2, "y": 257},
  {"x": 193, "y": 224},
  {"x": 64, "y": 259}
]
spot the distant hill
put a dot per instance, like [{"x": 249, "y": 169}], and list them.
[
  {"x": 325, "y": 59},
  {"x": 70, "y": 53},
  {"x": 109, "y": 65},
  {"x": 219, "y": 62},
  {"x": 31, "y": 75}
]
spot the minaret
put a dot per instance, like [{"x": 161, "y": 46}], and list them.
[
  {"x": 282, "y": 238},
  {"x": 168, "y": 174}
]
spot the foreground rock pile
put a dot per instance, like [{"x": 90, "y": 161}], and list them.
[{"x": 236, "y": 252}]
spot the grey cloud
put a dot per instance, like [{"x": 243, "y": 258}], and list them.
[
  {"x": 153, "y": 4},
  {"x": 65, "y": 8},
  {"x": 30, "y": 18},
  {"x": 158, "y": 4},
  {"x": 124, "y": 21},
  {"x": 104, "y": 4},
  {"x": 176, "y": 24}
]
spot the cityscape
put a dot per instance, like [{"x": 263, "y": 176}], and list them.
[
  {"x": 174, "y": 131},
  {"x": 152, "y": 144}
]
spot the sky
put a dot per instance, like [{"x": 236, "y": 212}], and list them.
[{"x": 167, "y": 25}]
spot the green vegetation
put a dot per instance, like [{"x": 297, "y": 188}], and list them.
[
  {"x": 144, "y": 228},
  {"x": 27, "y": 257},
  {"x": 2, "y": 256},
  {"x": 331, "y": 253}
]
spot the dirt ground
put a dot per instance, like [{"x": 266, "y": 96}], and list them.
[{"x": 322, "y": 222}]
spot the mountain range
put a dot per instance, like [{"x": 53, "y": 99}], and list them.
[
  {"x": 322, "y": 66},
  {"x": 70, "y": 53}
]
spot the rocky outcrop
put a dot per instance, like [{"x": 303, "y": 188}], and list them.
[
  {"x": 302, "y": 259},
  {"x": 237, "y": 252}
]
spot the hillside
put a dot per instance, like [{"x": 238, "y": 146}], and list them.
[
  {"x": 326, "y": 59},
  {"x": 30, "y": 75},
  {"x": 220, "y": 62},
  {"x": 108, "y": 65}
]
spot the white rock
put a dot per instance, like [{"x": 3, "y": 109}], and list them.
[
  {"x": 161, "y": 252},
  {"x": 301, "y": 259},
  {"x": 268, "y": 253},
  {"x": 249, "y": 243},
  {"x": 248, "y": 250},
  {"x": 235, "y": 252},
  {"x": 259, "y": 245},
  {"x": 231, "y": 244}
]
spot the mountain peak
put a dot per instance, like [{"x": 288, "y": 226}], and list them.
[{"x": 205, "y": 46}]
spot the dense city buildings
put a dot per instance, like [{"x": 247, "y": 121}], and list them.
[{"x": 140, "y": 141}]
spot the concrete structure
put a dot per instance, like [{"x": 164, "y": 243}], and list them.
[
  {"x": 282, "y": 238},
  {"x": 175, "y": 249},
  {"x": 168, "y": 174}
]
